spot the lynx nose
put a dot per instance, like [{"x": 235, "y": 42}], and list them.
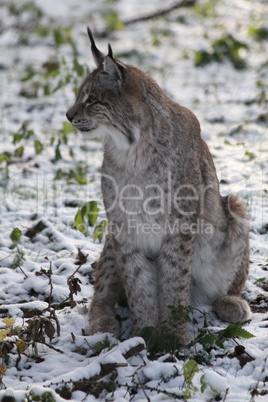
[{"x": 69, "y": 116}]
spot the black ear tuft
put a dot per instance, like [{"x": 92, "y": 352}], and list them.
[
  {"x": 97, "y": 54},
  {"x": 110, "y": 51}
]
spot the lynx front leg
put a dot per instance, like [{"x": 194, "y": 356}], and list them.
[
  {"x": 175, "y": 271},
  {"x": 107, "y": 288},
  {"x": 140, "y": 284}
]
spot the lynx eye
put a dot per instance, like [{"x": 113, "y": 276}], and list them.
[{"x": 91, "y": 99}]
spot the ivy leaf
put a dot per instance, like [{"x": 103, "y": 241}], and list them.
[
  {"x": 15, "y": 235},
  {"x": 234, "y": 330}
]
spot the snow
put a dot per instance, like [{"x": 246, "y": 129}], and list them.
[{"x": 232, "y": 114}]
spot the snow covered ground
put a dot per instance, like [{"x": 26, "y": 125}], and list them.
[{"x": 47, "y": 172}]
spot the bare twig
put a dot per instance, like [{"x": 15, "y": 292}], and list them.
[
  {"x": 161, "y": 13},
  {"x": 77, "y": 269},
  {"x": 225, "y": 395},
  {"x": 53, "y": 315},
  {"x": 26, "y": 276},
  {"x": 49, "y": 274},
  {"x": 143, "y": 390},
  {"x": 52, "y": 347},
  {"x": 160, "y": 391}
]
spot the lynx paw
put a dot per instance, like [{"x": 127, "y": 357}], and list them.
[
  {"x": 233, "y": 309},
  {"x": 104, "y": 324}
]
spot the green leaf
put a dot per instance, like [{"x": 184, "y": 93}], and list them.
[
  {"x": 219, "y": 343},
  {"x": 17, "y": 137},
  {"x": 202, "y": 57},
  {"x": 42, "y": 31},
  {"x": 79, "y": 223},
  {"x": 30, "y": 73},
  {"x": 19, "y": 151},
  {"x": 190, "y": 368},
  {"x": 113, "y": 20},
  {"x": 67, "y": 128},
  {"x": 62, "y": 35},
  {"x": 5, "y": 157},
  {"x": 91, "y": 211},
  {"x": 47, "y": 396},
  {"x": 168, "y": 342},
  {"x": 181, "y": 311},
  {"x": 99, "y": 231},
  {"x": 234, "y": 330},
  {"x": 258, "y": 32},
  {"x": 38, "y": 147},
  {"x": 58, "y": 175},
  {"x": 203, "y": 384},
  {"x": 208, "y": 341},
  {"x": 58, "y": 153},
  {"x": 15, "y": 235},
  {"x": 71, "y": 174},
  {"x": 150, "y": 335},
  {"x": 101, "y": 345},
  {"x": 250, "y": 155},
  {"x": 81, "y": 179},
  {"x": 160, "y": 342}
]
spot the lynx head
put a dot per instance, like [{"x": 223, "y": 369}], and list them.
[{"x": 110, "y": 100}]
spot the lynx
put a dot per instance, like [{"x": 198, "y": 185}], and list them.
[{"x": 173, "y": 239}]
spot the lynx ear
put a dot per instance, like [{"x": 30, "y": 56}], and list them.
[
  {"x": 115, "y": 69},
  {"x": 97, "y": 54}
]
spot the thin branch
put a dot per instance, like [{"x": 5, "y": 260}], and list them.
[
  {"x": 161, "y": 13},
  {"x": 50, "y": 284},
  {"x": 143, "y": 390},
  {"x": 159, "y": 391},
  {"x": 53, "y": 315},
  {"x": 26, "y": 276},
  {"x": 52, "y": 347},
  {"x": 77, "y": 269}
]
